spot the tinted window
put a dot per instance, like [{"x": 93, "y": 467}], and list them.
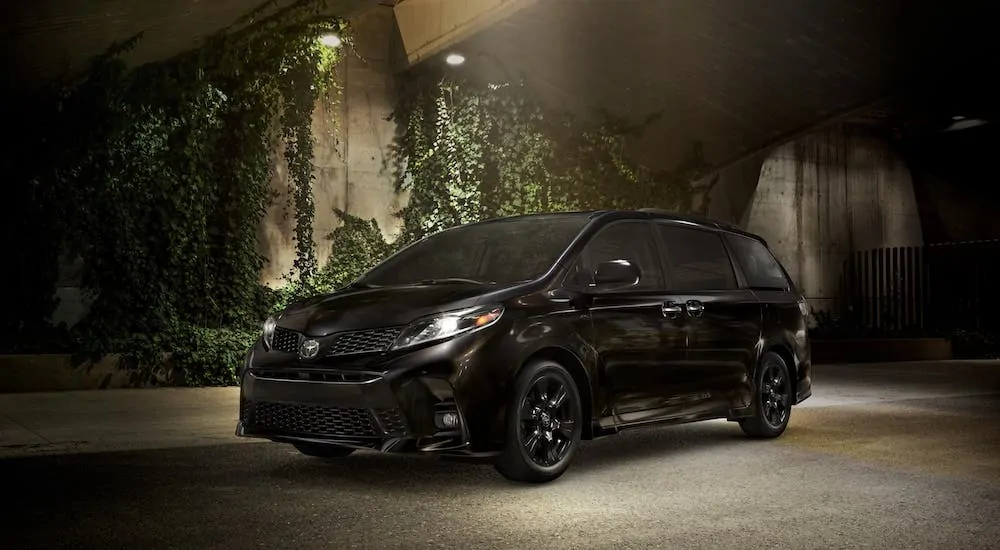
[
  {"x": 697, "y": 259},
  {"x": 632, "y": 241},
  {"x": 758, "y": 264},
  {"x": 502, "y": 251}
]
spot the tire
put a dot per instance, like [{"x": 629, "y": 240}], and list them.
[
  {"x": 773, "y": 397},
  {"x": 541, "y": 438},
  {"x": 323, "y": 451}
]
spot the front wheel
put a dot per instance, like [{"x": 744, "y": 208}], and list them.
[
  {"x": 543, "y": 425},
  {"x": 773, "y": 394},
  {"x": 323, "y": 451}
]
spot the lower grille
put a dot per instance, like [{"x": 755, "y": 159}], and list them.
[
  {"x": 392, "y": 420},
  {"x": 316, "y": 420}
]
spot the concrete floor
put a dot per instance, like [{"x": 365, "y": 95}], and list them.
[{"x": 882, "y": 456}]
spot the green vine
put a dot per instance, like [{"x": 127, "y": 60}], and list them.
[
  {"x": 299, "y": 94},
  {"x": 473, "y": 152},
  {"x": 157, "y": 178}
]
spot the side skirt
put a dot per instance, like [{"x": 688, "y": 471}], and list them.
[{"x": 601, "y": 431}]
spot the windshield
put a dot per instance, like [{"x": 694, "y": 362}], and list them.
[{"x": 501, "y": 251}]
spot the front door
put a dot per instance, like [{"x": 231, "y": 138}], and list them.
[
  {"x": 722, "y": 321},
  {"x": 638, "y": 346}
]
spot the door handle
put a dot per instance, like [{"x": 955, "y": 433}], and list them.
[
  {"x": 695, "y": 308},
  {"x": 672, "y": 310}
]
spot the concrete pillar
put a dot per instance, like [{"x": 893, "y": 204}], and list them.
[
  {"x": 353, "y": 165},
  {"x": 729, "y": 192},
  {"x": 828, "y": 194},
  {"x": 369, "y": 100}
]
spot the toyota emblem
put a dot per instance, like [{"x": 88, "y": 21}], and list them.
[{"x": 308, "y": 349}]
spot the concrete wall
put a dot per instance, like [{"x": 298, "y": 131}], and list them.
[
  {"x": 34, "y": 373},
  {"x": 823, "y": 196}
]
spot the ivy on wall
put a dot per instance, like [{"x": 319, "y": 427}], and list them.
[
  {"x": 473, "y": 152},
  {"x": 157, "y": 179}
]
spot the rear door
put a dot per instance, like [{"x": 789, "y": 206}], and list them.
[
  {"x": 784, "y": 307},
  {"x": 721, "y": 320}
]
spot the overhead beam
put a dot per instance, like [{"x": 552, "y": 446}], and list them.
[{"x": 428, "y": 27}]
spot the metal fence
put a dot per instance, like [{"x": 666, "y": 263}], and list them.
[{"x": 931, "y": 288}]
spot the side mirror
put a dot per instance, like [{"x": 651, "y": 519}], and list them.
[{"x": 616, "y": 272}]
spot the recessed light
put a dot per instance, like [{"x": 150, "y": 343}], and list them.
[
  {"x": 965, "y": 123},
  {"x": 455, "y": 59},
  {"x": 330, "y": 40}
]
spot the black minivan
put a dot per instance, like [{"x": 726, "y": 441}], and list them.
[{"x": 516, "y": 338}]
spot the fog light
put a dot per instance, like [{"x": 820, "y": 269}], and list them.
[{"x": 447, "y": 420}]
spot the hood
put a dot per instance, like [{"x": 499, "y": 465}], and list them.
[{"x": 362, "y": 308}]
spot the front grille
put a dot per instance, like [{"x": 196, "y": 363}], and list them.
[
  {"x": 375, "y": 340},
  {"x": 285, "y": 340},
  {"x": 314, "y": 375},
  {"x": 315, "y": 420}
]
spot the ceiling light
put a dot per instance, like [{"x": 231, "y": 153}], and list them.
[
  {"x": 965, "y": 124},
  {"x": 330, "y": 40},
  {"x": 455, "y": 59}
]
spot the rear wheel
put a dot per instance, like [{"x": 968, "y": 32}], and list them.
[
  {"x": 323, "y": 451},
  {"x": 544, "y": 424},
  {"x": 773, "y": 394}
]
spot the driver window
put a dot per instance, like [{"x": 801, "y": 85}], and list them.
[{"x": 632, "y": 241}]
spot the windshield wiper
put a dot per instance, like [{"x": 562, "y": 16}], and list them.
[{"x": 455, "y": 280}]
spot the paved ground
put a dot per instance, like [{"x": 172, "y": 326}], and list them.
[{"x": 890, "y": 456}]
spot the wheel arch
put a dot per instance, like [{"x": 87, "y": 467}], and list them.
[{"x": 785, "y": 352}]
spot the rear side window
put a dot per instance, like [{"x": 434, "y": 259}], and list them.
[
  {"x": 697, "y": 259},
  {"x": 759, "y": 266}
]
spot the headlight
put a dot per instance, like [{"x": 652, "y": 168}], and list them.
[
  {"x": 269, "y": 325},
  {"x": 448, "y": 324}
]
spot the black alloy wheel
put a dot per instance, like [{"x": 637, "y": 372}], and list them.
[
  {"x": 323, "y": 451},
  {"x": 544, "y": 424},
  {"x": 774, "y": 398}
]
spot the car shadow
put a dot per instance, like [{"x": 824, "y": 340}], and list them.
[{"x": 374, "y": 470}]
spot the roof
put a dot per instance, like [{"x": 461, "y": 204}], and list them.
[
  {"x": 704, "y": 221},
  {"x": 643, "y": 213}
]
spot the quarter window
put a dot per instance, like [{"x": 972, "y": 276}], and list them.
[
  {"x": 760, "y": 268},
  {"x": 697, "y": 259}
]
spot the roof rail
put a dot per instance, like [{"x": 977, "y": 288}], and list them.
[
  {"x": 659, "y": 211},
  {"x": 696, "y": 218}
]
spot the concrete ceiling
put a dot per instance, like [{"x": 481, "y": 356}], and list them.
[
  {"x": 40, "y": 39},
  {"x": 735, "y": 75}
]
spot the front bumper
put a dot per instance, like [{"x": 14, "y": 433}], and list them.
[
  {"x": 387, "y": 409},
  {"x": 803, "y": 386}
]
